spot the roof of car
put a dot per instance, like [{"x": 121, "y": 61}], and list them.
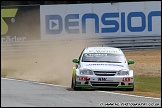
[{"x": 113, "y": 50}]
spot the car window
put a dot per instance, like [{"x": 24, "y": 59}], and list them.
[{"x": 103, "y": 57}]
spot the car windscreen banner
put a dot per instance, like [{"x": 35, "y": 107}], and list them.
[{"x": 20, "y": 23}]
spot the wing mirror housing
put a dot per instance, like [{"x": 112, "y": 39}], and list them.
[
  {"x": 75, "y": 60},
  {"x": 130, "y": 62}
]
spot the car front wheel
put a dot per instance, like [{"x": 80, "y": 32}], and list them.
[{"x": 73, "y": 83}]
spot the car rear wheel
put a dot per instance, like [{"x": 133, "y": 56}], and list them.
[{"x": 73, "y": 84}]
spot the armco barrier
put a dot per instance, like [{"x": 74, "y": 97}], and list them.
[{"x": 126, "y": 43}]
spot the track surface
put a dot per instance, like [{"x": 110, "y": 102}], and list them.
[{"x": 18, "y": 93}]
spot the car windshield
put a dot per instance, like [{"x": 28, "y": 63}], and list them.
[{"x": 103, "y": 57}]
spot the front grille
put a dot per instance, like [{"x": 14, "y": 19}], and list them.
[
  {"x": 111, "y": 84},
  {"x": 105, "y": 73}
]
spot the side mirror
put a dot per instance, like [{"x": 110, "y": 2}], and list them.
[
  {"x": 75, "y": 60},
  {"x": 130, "y": 62}
]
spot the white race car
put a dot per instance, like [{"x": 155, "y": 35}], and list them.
[{"x": 102, "y": 67}]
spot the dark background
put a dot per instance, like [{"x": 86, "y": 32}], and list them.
[{"x": 5, "y": 3}]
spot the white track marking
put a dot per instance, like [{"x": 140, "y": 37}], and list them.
[
  {"x": 33, "y": 82},
  {"x": 128, "y": 95},
  {"x": 67, "y": 86}
]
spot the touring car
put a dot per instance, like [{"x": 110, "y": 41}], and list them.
[{"x": 102, "y": 67}]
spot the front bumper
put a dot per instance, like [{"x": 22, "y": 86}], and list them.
[{"x": 104, "y": 81}]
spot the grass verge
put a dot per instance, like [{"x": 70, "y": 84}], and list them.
[{"x": 146, "y": 86}]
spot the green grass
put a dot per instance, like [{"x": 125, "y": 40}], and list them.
[
  {"x": 147, "y": 83},
  {"x": 146, "y": 86}
]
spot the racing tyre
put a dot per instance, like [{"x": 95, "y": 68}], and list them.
[{"x": 73, "y": 83}]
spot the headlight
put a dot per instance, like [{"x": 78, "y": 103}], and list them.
[
  {"x": 86, "y": 72},
  {"x": 123, "y": 72}
]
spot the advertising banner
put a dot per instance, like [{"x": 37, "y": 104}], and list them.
[
  {"x": 101, "y": 19},
  {"x": 20, "y": 23}
]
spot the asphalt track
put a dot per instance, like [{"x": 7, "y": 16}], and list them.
[{"x": 18, "y": 93}]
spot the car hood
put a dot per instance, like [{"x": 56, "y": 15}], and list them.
[{"x": 104, "y": 66}]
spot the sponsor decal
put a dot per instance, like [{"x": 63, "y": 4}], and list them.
[
  {"x": 104, "y": 79},
  {"x": 5, "y": 13},
  {"x": 126, "y": 79},
  {"x": 104, "y": 65},
  {"x": 84, "y": 78}
]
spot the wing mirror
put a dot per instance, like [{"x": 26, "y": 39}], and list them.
[
  {"x": 130, "y": 62},
  {"x": 75, "y": 60}
]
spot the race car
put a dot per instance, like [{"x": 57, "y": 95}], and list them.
[{"x": 102, "y": 67}]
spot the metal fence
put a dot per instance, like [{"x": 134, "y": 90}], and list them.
[{"x": 126, "y": 43}]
